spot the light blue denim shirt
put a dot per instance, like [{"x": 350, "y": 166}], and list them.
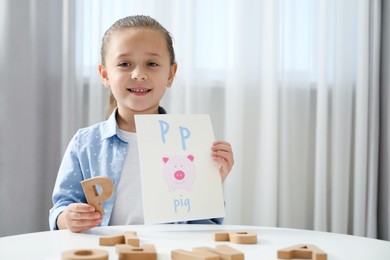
[{"x": 94, "y": 151}]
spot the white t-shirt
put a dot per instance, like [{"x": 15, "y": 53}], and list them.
[{"x": 128, "y": 209}]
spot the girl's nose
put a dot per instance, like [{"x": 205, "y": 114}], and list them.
[{"x": 138, "y": 74}]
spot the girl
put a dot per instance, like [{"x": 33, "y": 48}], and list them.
[{"x": 138, "y": 64}]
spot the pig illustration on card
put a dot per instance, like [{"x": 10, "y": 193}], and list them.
[{"x": 179, "y": 172}]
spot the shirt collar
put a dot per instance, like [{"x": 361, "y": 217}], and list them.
[{"x": 110, "y": 127}]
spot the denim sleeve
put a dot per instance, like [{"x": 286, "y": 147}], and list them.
[{"x": 67, "y": 188}]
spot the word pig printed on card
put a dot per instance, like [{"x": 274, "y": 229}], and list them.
[{"x": 177, "y": 171}]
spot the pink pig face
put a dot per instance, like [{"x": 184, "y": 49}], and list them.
[{"x": 179, "y": 172}]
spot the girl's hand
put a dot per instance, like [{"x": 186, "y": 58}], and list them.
[
  {"x": 78, "y": 217},
  {"x": 222, "y": 153}
]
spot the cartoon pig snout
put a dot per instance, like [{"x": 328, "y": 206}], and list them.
[
  {"x": 179, "y": 172},
  {"x": 179, "y": 175}
]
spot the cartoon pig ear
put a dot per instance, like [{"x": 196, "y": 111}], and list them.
[
  {"x": 165, "y": 159},
  {"x": 191, "y": 157}
]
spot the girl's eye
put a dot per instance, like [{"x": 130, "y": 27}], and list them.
[
  {"x": 124, "y": 64},
  {"x": 152, "y": 64}
]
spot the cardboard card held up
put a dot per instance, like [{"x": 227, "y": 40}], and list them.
[{"x": 180, "y": 180}]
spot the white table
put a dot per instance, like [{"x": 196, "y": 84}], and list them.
[{"x": 49, "y": 245}]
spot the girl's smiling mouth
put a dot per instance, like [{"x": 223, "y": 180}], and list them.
[{"x": 139, "y": 91}]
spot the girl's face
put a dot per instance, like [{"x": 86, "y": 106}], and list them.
[{"x": 138, "y": 70}]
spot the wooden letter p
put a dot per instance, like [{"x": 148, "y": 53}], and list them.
[{"x": 91, "y": 193}]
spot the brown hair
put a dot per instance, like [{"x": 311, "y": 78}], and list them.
[{"x": 135, "y": 21}]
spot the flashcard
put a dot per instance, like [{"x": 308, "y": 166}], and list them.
[{"x": 180, "y": 180}]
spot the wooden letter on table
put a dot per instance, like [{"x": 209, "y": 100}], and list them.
[
  {"x": 239, "y": 237},
  {"x": 145, "y": 252},
  {"x": 93, "y": 197},
  {"x": 111, "y": 240},
  {"x": 131, "y": 238},
  {"x": 128, "y": 238},
  {"x": 179, "y": 254},
  {"x": 243, "y": 237},
  {"x": 224, "y": 252},
  {"x": 303, "y": 252}
]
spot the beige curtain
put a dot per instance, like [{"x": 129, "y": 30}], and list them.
[{"x": 30, "y": 114}]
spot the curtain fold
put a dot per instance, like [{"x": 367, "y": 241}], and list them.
[
  {"x": 321, "y": 182},
  {"x": 30, "y": 134},
  {"x": 383, "y": 225}
]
